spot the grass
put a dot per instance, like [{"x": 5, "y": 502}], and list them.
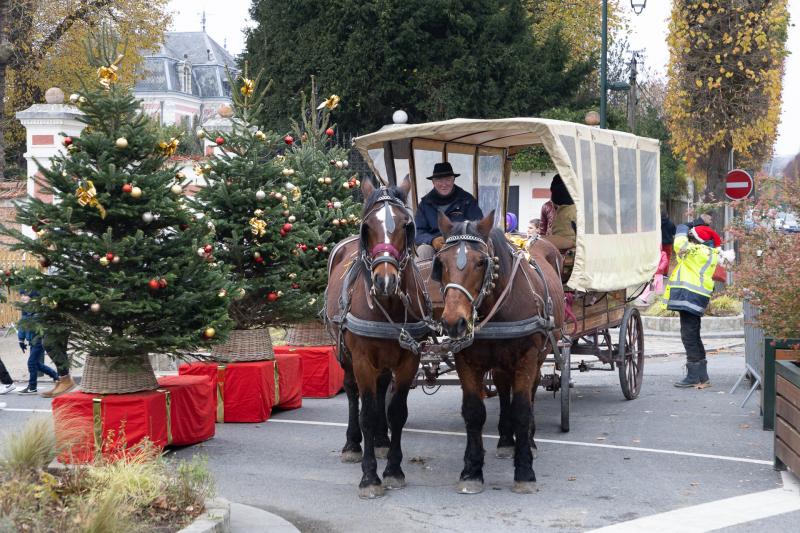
[{"x": 141, "y": 491}]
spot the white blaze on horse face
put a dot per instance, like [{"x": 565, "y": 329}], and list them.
[{"x": 380, "y": 214}]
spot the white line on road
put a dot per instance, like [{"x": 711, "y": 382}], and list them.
[
  {"x": 489, "y": 436},
  {"x": 713, "y": 515},
  {"x": 14, "y": 409},
  {"x": 555, "y": 441}
]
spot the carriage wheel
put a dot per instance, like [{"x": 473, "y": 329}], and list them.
[
  {"x": 631, "y": 353},
  {"x": 565, "y": 389}
]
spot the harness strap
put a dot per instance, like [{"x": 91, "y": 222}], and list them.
[{"x": 517, "y": 260}]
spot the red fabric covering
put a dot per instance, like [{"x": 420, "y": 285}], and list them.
[
  {"x": 118, "y": 422},
  {"x": 247, "y": 389},
  {"x": 192, "y": 408},
  {"x": 322, "y": 375},
  {"x": 290, "y": 379}
]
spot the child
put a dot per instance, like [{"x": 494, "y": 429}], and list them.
[{"x": 36, "y": 356}]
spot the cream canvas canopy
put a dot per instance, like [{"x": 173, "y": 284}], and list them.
[{"x": 613, "y": 178}]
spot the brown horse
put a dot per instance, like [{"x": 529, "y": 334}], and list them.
[
  {"x": 377, "y": 304},
  {"x": 520, "y": 305}
]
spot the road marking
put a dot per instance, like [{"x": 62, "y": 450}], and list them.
[
  {"x": 13, "y": 409},
  {"x": 555, "y": 441},
  {"x": 489, "y": 436},
  {"x": 713, "y": 515}
]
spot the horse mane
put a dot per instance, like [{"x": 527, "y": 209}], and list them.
[
  {"x": 502, "y": 249},
  {"x": 393, "y": 191}
]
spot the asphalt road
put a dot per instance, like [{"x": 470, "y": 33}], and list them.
[{"x": 669, "y": 449}]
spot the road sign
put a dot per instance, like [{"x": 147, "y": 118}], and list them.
[{"x": 738, "y": 184}]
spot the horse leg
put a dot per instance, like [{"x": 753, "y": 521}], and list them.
[
  {"x": 521, "y": 406},
  {"x": 536, "y": 383},
  {"x": 505, "y": 446},
  {"x": 366, "y": 376},
  {"x": 474, "y": 412},
  {"x": 393, "y": 476},
  {"x": 382, "y": 427},
  {"x": 351, "y": 453}
]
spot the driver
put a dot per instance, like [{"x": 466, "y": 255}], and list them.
[{"x": 448, "y": 198}]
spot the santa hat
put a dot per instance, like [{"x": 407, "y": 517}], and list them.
[{"x": 704, "y": 233}]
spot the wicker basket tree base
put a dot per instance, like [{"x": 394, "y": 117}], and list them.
[
  {"x": 308, "y": 334},
  {"x": 245, "y": 345},
  {"x": 118, "y": 375}
]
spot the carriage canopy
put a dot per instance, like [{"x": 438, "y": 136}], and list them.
[{"x": 613, "y": 178}]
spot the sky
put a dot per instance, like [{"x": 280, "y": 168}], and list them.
[{"x": 225, "y": 22}]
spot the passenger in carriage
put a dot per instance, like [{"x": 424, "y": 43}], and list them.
[
  {"x": 448, "y": 198},
  {"x": 558, "y": 222}
]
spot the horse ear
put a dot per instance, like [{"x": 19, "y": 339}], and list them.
[
  {"x": 485, "y": 225},
  {"x": 367, "y": 188},
  {"x": 405, "y": 186},
  {"x": 445, "y": 226}
]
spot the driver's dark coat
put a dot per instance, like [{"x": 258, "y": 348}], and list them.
[{"x": 458, "y": 206}]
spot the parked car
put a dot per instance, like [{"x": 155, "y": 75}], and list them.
[{"x": 787, "y": 222}]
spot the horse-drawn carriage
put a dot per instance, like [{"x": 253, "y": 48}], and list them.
[{"x": 613, "y": 178}]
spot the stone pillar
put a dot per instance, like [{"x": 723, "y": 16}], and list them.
[{"x": 46, "y": 126}]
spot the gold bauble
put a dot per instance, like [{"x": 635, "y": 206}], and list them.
[
  {"x": 122, "y": 143},
  {"x": 136, "y": 192}
]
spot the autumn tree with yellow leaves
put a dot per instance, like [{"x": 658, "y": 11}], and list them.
[
  {"x": 724, "y": 92},
  {"x": 41, "y": 46}
]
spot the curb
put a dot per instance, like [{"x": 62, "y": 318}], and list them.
[
  {"x": 718, "y": 324},
  {"x": 248, "y": 519},
  {"x": 215, "y": 519},
  {"x": 677, "y": 334}
]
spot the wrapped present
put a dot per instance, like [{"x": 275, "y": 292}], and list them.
[
  {"x": 323, "y": 377},
  {"x": 245, "y": 391},
  {"x": 193, "y": 408},
  {"x": 290, "y": 379}
]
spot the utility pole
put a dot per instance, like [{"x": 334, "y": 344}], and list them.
[
  {"x": 203, "y": 21},
  {"x": 632, "y": 96},
  {"x": 603, "y": 63}
]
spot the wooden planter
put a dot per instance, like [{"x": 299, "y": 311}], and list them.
[
  {"x": 775, "y": 351},
  {"x": 787, "y": 416},
  {"x": 308, "y": 334},
  {"x": 245, "y": 345}
]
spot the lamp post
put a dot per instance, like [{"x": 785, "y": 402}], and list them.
[{"x": 637, "y": 6}]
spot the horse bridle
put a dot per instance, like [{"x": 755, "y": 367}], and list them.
[
  {"x": 386, "y": 252},
  {"x": 489, "y": 275}
]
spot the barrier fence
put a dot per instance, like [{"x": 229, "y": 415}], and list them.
[
  {"x": 9, "y": 314},
  {"x": 753, "y": 350}
]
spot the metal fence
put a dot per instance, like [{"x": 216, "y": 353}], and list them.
[
  {"x": 753, "y": 350},
  {"x": 9, "y": 314}
]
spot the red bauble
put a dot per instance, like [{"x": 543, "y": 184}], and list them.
[
  {"x": 153, "y": 284},
  {"x": 330, "y": 205},
  {"x": 8, "y": 273},
  {"x": 288, "y": 140},
  {"x": 110, "y": 256},
  {"x": 295, "y": 286},
  {"x": 287, "y": 227},
  {"x": 208, "y": 248},
  {"x": 184, "y": 227},
  {"x": 67, "y": 141},
  {"x": 283, "y": 233},
  {"x": 220, "y": 141},
  {"x": 259, "y": 259},
  {"x": 319, "y": 247},
  {"x": 127, "y": 188},
  {"x": 329, "y": 132},
  {"x": 303, "y": 247},
  {"x": 272, "y": 296},
  {"x": 162, "y": 283}
]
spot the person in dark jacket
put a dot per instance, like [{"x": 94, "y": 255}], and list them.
[
  {"x": 28, "y": 338},
  {"x": 448, "y": 198},
  {"x": 667, "y": 234}
]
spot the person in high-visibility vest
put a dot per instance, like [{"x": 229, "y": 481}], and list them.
[{"x": 688, "y": 292}]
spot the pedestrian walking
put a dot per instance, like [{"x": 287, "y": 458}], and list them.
[
  {"x": 30, "y": 339},
  {"x": 667, "y": 233},
  {"x": 6, "y": 383},
  {"x": 688, "y": 292}
]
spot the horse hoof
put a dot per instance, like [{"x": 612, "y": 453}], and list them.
[
  {"x": 370, "y": 492},
  {"x": 382, "y": 452},
  {"x": 351, "y": 457},
  {"x": 505, "y": 452},
  {"x": 469, "y": 486},
  {"x": 524, "y": 487},
  {"x": 393, "y": 482}
]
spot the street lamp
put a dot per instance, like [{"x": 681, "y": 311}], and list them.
[{"x": 637, "y": 6}]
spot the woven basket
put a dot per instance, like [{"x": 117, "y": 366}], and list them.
[
  {"x": 118, "y": 375},
  {"x": 308, "y": 334},
  {"x": 245, "y": 345}
]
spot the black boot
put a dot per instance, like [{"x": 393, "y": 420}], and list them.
[
  {"x": 705, "y": 381},
  {"x": 692, "y": 378}
]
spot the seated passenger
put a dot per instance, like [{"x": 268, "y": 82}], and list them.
[
  {"x": 447, "y": 198},
  {"x": 562, "y": 229}
]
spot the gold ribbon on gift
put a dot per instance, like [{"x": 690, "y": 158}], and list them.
[
  {"x": 97, "y": 420},
  {"x": 277, "y": 384},
  {"x": 248, "y": 86},
  {"x": 168, "y": 402},
  {"x": 221, "y": 394},
  {"x": 258, "y": 226},
  {"x": 169, "y": 147},
  {"x": 88, "y": 196},
  {"x": 108, "y": 75}
]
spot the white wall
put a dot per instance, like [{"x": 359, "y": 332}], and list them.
[{"x": 530, "y": 207}]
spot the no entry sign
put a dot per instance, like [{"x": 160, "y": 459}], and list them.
[{"x": 738, "y": 184}]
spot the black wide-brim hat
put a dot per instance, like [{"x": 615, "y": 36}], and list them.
[{"x": 442, "y": 170}]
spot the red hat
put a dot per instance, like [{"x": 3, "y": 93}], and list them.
[{"x": 704, "y": 233}]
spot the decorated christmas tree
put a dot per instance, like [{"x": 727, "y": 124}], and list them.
[
  {"x": 254, "y": 205},
  {"x": 127, "y": 269},
  {"x": 331, "y": 204}
]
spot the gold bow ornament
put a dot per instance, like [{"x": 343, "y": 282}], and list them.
[
  {"x": 258, "y": 226},
  {"x": 331, "y": 103},
  {"x": 169, "y": 147},
  {"x": 87, "y": 195},
  {"x": 108, "y": 75},
  {"x": 248, "y": 87}
]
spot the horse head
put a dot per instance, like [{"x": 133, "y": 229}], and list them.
[
  {"x": 387, "y": 235},
  {"x": 465, "y": 267}
]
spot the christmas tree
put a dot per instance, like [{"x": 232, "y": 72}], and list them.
[
  {"x": 331, "y": 203},
  {"x": 254, "y": 206},
  {"x": 127, "y": 269}
]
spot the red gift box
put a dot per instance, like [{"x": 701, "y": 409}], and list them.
[
  {"x": 245, "y": 391},
  {"x": 323, "y": 377},
  {"x": 290, "y": 379},
  {"x": 192, "y": 413}
]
